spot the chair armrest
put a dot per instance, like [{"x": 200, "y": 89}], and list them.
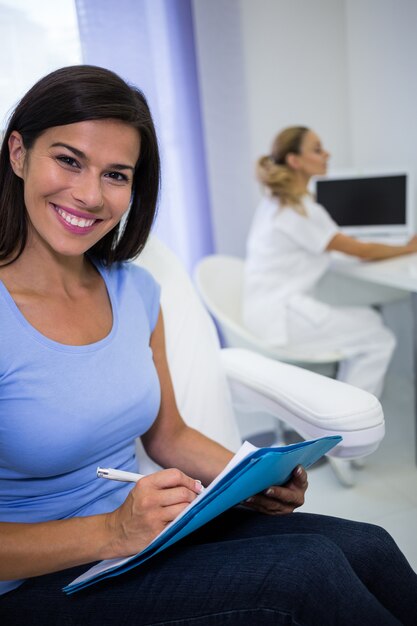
[{"x": 312, "y": 404}]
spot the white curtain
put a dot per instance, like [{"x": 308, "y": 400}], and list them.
[{"x": 151, "y": 43}]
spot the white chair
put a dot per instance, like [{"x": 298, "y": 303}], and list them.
[
  {"x": 219, "y": 281},
  {"x": 207, "y": 379}
]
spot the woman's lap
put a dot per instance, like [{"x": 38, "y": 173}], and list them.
[
  {"x": 343, "y": 327},
  {"x": 262, "y": 570}
]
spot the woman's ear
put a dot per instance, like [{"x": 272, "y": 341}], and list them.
[
  {"x": 292, "y": 160},
  {"x": 17, "y": 153}
]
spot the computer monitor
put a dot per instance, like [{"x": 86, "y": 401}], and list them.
[{"x": 368, "y": 205}]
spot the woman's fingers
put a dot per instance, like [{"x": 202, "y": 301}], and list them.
[
  {"x": 148, "y": 497},
  {"x": 152, "y": 503},
  {"x": 170, "y": 489},
  {"x": 169, "y": 478},
  {"x": 268, "y": 505},
  {"x": 282, "y": 499},
  {"x": 299, "y": 478}
]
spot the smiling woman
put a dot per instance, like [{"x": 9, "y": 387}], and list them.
[
  {"x": 68, "y": 135},
  {"x": 79, "y": 180},
  {"x": 84, "y": 372},
  {"x": 73, "y": 167}
]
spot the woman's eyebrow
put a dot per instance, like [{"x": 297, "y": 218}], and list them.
[{"x": 81, "y": 155}]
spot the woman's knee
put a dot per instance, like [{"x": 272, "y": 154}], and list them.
[
  {"x": 317, "y": 558},
  {"x": 317, "y": 580},
  {"x": 312, "y": 560},
  {"x": 374, "y": 544},
  {"x": 277, "y": 569}
]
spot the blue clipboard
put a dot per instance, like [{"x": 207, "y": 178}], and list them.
[{"x": 259, "y": 469}]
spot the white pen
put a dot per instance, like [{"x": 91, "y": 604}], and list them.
[
  {"x": 122, "y": 476},
  {"x": 114, "y": 474}
]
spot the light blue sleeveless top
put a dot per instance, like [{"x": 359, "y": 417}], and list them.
[{"x": 64, "y": 410}]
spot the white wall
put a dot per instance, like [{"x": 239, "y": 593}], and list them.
[
  {"x": 346, "y": 68},
  {"x": 296, "y": 66},
  {"x": 382, "y": 61}
]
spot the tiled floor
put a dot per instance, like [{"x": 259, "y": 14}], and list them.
[{"x": 386, "y": 488}]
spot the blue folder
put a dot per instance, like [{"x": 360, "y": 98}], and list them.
[{"x": 260, "y": 469}]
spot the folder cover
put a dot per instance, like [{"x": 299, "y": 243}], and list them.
[{"x": 250, "y": 471}]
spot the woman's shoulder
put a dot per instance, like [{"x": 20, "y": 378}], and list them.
[
  {"x": 134, "y": 286},
  {"x": 128, "y": 275},
  {"x": 280, "y": 210},
  {"x": 312, "y": 205},
  {"x": 126, "y": 270},
  {"x": 268, "y": 209},
  {"x": 268, "y": 202},
  {"x": 318, "y": 212}
]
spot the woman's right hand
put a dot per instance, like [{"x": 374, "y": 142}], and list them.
[
  {"x": 412, "y": 244},
  {"x": 153, "y": 503}
]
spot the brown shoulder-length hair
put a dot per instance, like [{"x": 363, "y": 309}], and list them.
[
  {"x": 66, "y": 96},
  {"x": 273, "y": 171}
]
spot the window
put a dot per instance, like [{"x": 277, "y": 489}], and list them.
[{"x": 36, "y": 37}]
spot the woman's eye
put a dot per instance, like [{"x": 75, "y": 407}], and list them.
[
  {"x": 67, "y": 160},
  {"x": 118, "y": 177}
]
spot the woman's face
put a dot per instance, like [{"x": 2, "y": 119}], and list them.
[
  {"x": 312, "y": 159},
  {"x": 77, "y": 182}
]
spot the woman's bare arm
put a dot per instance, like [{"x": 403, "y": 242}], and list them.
[
  {"x": 370, "y": 251},
  {"x": 170, "y": 442},
  {"x": 35, "y": 549},
  {"x": 40, "y": 548}
]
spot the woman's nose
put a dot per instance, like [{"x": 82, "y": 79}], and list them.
[{"x": 88, "y": 191}]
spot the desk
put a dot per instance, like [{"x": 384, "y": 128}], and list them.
[
  {"x": 399, "y": 276},
  {"x": 399, "y": 273}
]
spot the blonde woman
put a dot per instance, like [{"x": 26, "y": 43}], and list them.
[{"x": 288, "y": 252}]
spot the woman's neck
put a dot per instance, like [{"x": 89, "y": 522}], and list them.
[
  {"x": 47, "y": 272},
  {"x": 300, "y": 183}
]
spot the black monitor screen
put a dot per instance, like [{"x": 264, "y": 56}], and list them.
[{"x": 371, "y": 201}]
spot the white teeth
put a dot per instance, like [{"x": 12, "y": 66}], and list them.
[{"x": 81, "y": 222}]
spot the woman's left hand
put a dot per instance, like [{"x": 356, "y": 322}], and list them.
[{"x": 284, "y": 499}]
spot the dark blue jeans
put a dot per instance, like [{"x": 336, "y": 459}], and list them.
[{"x": 243, "y": 568}]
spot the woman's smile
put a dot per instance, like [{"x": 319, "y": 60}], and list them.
[{"x": 74, "y": 220}]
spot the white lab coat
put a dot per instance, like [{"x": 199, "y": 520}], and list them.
[{"x": 286, "y": 257}]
